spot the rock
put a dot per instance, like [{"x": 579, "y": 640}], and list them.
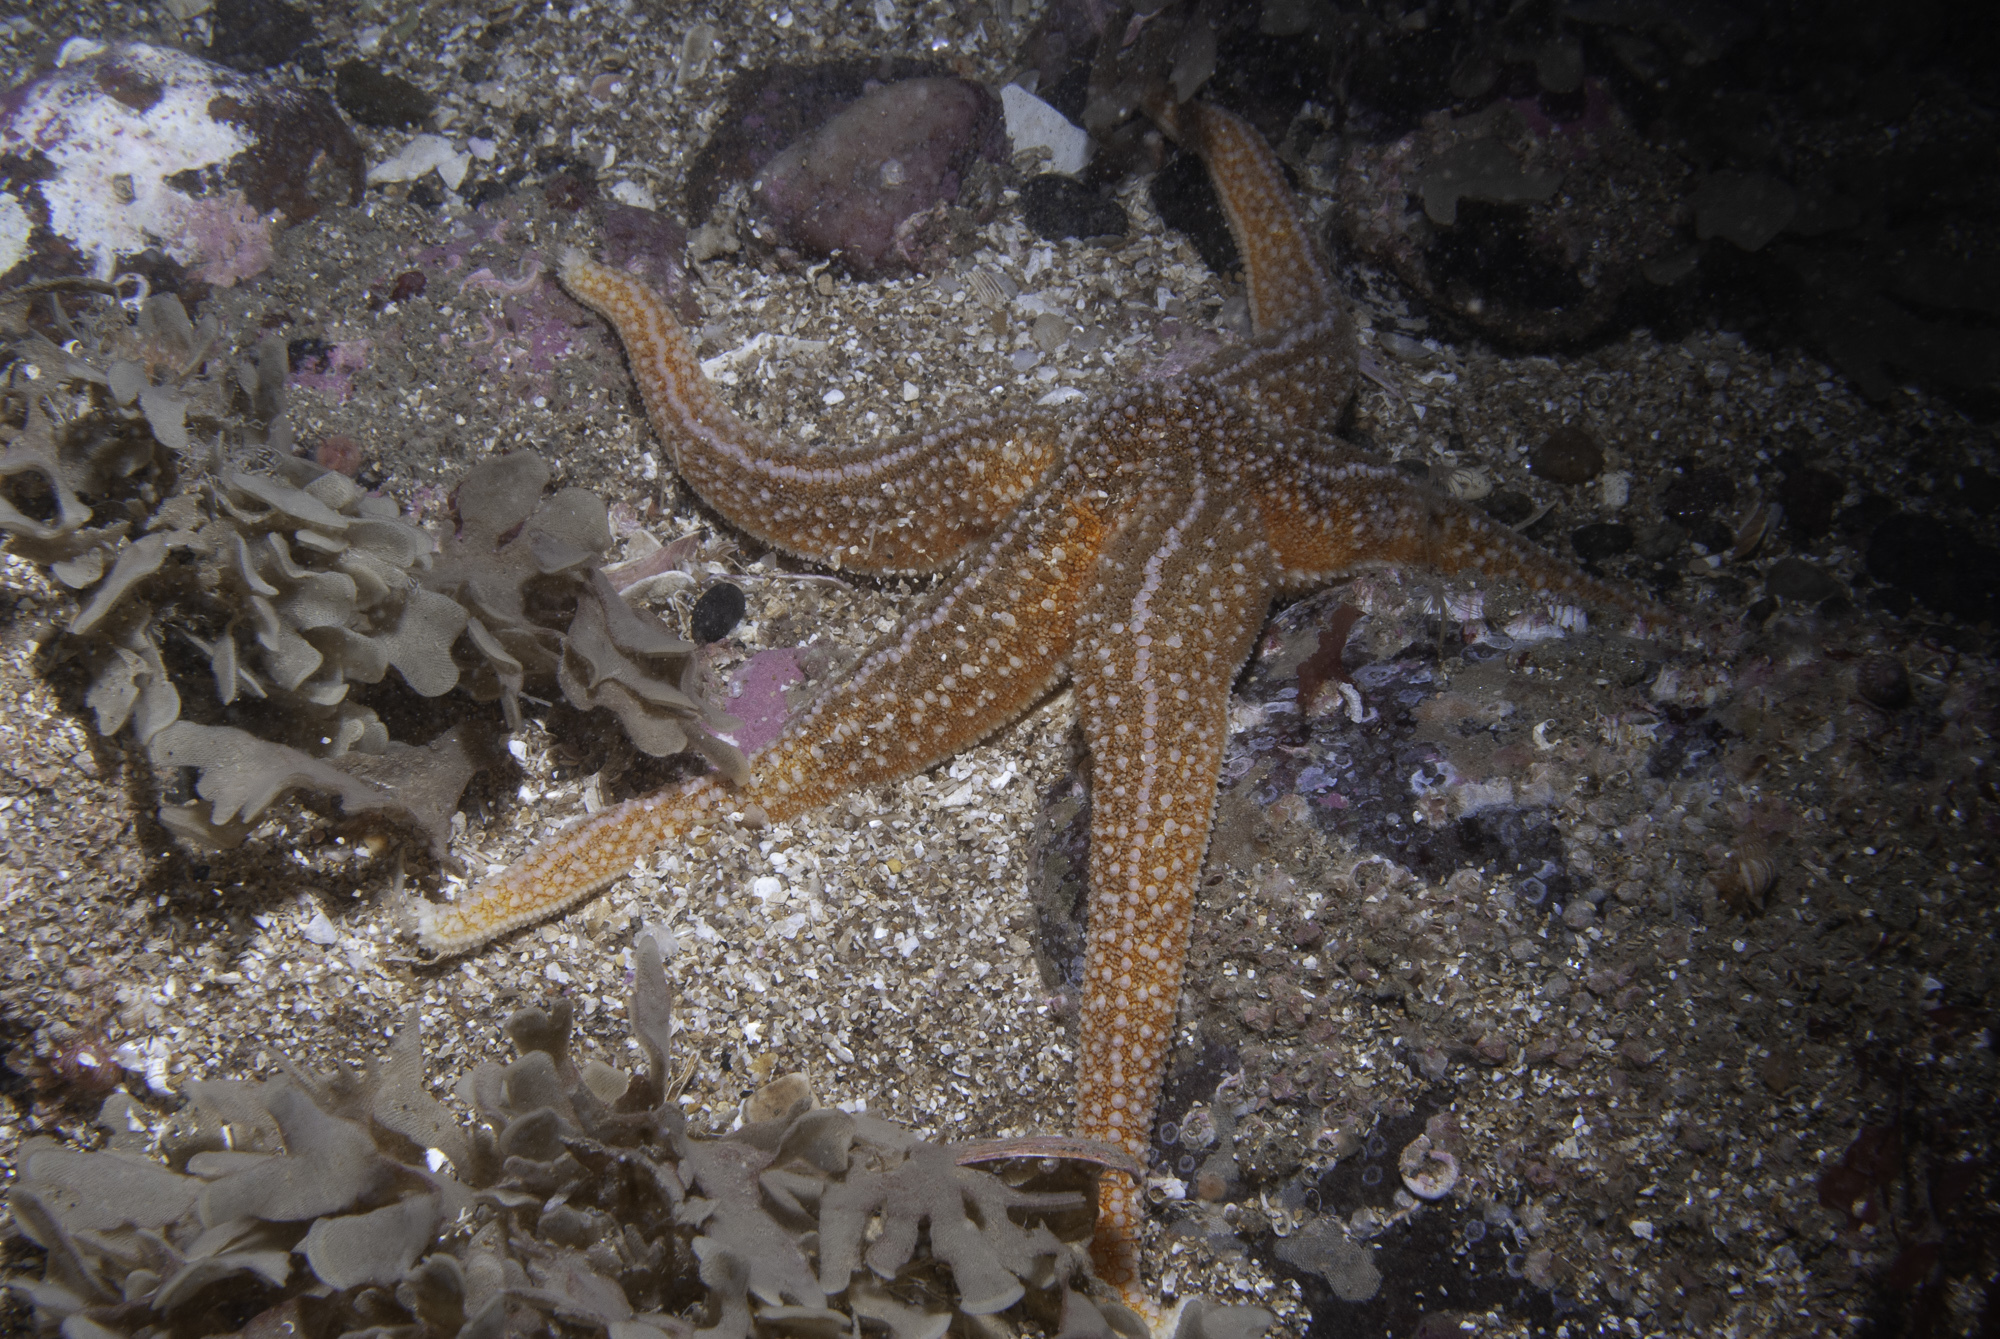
[
  {"x": 653, "y": 246},
  {"x": 1181, "y": 192},
  {"x": 209, "y": 165},
  {"x": 1056, "y": 207},
  {"x": 862, "y": 185},
  {"x": 1569, "y": 455},
  {"x": 1696, "y": 495},
  {"x": 1485, "y": 170},
  {"x": 1810, "y": 497},
  {"x": 716, "y": 613},
  {"x": 374, "y": 98},
  {"x": 1797, "y": 579},
  {"x": 1747, "y": 208},
  {"x": 1600, "y": 540}
]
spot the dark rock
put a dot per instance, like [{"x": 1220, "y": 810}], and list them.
[
  {"x": 1698, "y": 495},
  {"x": 716, "y": 613},
  {"x": 1810, "y": 498},
  {"x": 1509, "y": 507},
  {"x": 1569, "y": 455},
  {"x": 1977, "y": 490},
  {"x": 254, "y": 35},
  {"x": 1056, "y": 207},
  {"x": 1603, "y": 539},
  {"x": 409, "y": 284},
  {"x": 570, "y": 189},
  {"x": 1942, "y": 565},
  {"x": 1881, "y": 679},
  {"x": 1797, "y": 579},
  {"x": 376, "y": 98},
  {"x": 1866, "y": 515},
  {"x": 1181, "y": 191},
  {"x": 481, "y": 191},
  {"x": 1658, "y": 543}
]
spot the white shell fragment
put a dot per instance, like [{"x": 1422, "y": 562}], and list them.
[
  {"x": 424, "y": 153},
  {"x": 1033, "y": 124}
]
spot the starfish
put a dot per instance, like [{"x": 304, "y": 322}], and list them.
[{"x": 1133, "y": 550}]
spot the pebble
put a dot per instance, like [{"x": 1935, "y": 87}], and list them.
[
  {"x": 1600, "y": 540},
  {"x": 716, "y": 613},
  {"x": 375, "y": 98},
  {"x": 1180, "y": 191},
  {"x": 1056, "y": 207},
  {"x": 1797, "y": 579},
  {"x": 1569, "y": 455}
]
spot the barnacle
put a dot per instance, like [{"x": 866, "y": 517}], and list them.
[
  {"x": 294, "y": 586},
  {"x": 606, "y": 1215}
]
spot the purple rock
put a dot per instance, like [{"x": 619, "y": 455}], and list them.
[
  {"x": 128, "y": 149},
  {"x": 653, "y": 246},
  {"x": 772, "y": 106},
  {"x": 866, "y": 183}
]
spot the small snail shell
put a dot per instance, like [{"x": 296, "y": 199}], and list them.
[{"x": 1747, "y": 877}]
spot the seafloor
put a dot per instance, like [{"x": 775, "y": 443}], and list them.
[{"x": 1687, "y": 952}]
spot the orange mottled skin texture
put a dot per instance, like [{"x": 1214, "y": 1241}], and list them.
[{"x": 1132, "y": 550}]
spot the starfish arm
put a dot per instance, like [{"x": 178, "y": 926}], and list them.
[
  {"x": 1327, "y": 520},
  {"x": 968, "y": 660},
  {"x": 1184, "y": 589},
  {"x": 973, "y": 656},
  {"x": 1301, "y": 363},
  {"x": 911, "y": 505},
  {"x": 1289, "y": 286}
]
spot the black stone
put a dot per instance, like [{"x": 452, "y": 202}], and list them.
[
  {"x": 1509, "y": 507},
  {"x": 1797, "y": 579},
  {"x": 1697, "y": 495},
  {"x": 1810, "y": 497},
  {"x": 716, "y": 613},
  {"x": 1601, "y": 540},
  {"x": 376, "y": 98},
  {"x": 1181, "y": 191},
  {"x": 1056, "y": 207}
]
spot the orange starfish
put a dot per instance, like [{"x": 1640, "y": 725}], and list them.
[{"x": 1133, "y": 550}]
